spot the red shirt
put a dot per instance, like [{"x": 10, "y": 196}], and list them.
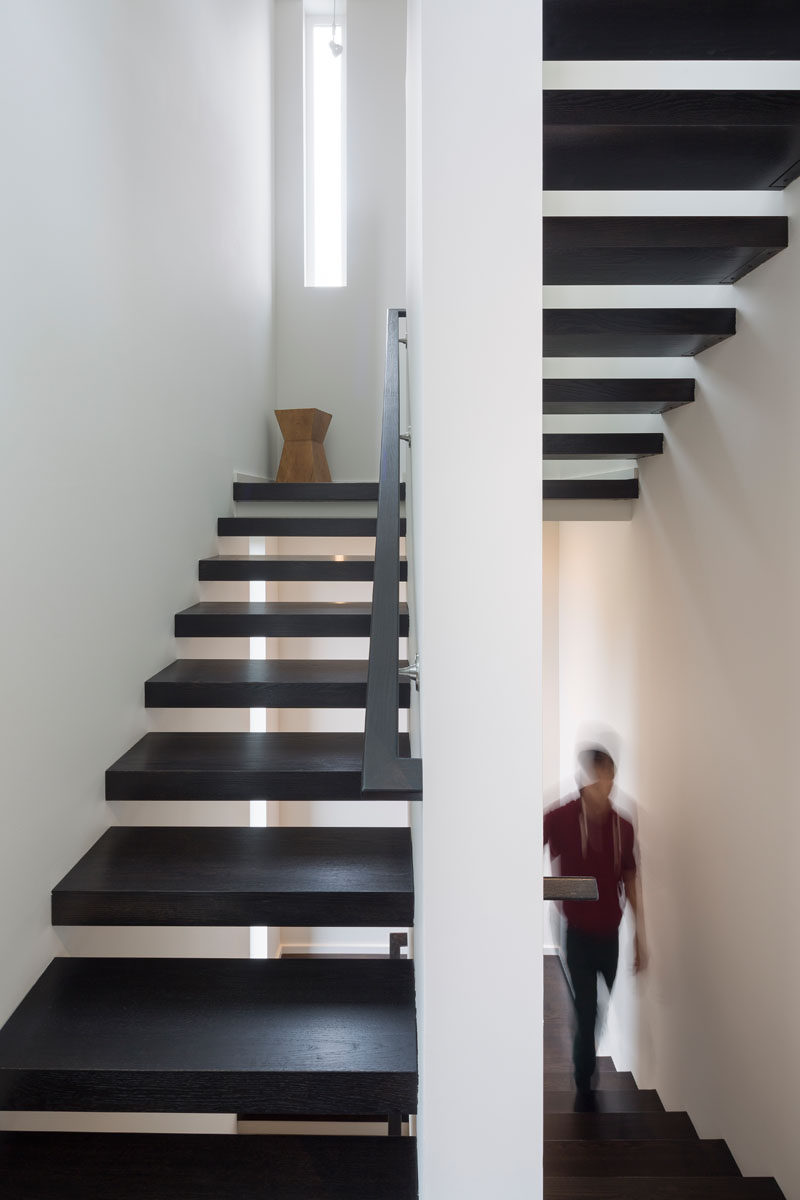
[{"x": 605, "y": 854}]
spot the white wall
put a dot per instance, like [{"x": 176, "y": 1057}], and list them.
[
  {"x": 331, "y": 341},
  {"x": 137, "y": 375},
  {"x": 680, "y": 629},
  {"x": 473, "y": 327}
]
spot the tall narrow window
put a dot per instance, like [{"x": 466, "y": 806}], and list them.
[{"x": 325, "y": 175}]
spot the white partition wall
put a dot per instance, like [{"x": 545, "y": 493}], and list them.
[{"x": 474, "y": 236}]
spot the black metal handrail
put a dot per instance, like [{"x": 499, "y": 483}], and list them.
[{"x": 385, "y": 770}]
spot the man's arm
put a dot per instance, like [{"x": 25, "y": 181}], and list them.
[{"x": 633, "y": 892}]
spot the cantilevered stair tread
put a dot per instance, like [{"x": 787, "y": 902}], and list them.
[
  {"x": 652, "y": 250},
  {"x": 241, "y": 766},
  {"x": 609, "y": 1101},
  {"x": 122, "y": 1166},
  {"x": 590, "y": 489},
  {"x": 645, "y": 1156},
  {"x": 300, "y": 526},
  {"x": 670, "y": 140},
  {"x": 601, "y": 445},
  {"x": 682, "y": 1187},
  {"x": 672, "y": 30},
  {"x": 258, "y": 683},
  {"x": 232, "y": 876},
  {"x": 296, "y": 619},
  {"x": 244, "y": 492},
  {"x": 609, "y": 1126},
  {"x": 611, "y": 1081},
  {"x": 214, "y": 1035},
  {"x": 624, "y": 332},
  {"x": 615, "y": 395},
  {"x": 283, "y": 567}
]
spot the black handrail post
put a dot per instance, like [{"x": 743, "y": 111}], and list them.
[{"x": 384, "y": 769}]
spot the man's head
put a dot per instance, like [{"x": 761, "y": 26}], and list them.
[{"x": 597, "y": 772}]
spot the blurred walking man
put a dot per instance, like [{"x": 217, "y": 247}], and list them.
[{"x": 590, "y": 837}]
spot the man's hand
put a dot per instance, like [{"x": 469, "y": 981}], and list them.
[{"x": 641, "y": 956}]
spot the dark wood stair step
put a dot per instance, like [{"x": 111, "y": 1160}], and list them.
[
  {"x": 671, "y": 29},
  {"x": 682, "y": 1187},
  {"x": 283, "y": 567},
  {"x": 670, "y": 140},
  {"x": 241, "y": 766},
  {"x": 244, "y": 492},
  {"x": 626, "y": 1101},
  {"x": 308, "y": 619},
  {"x": 214, "y": 1035},
  {"x": 669, "y": 250},
  {"x": 258, "y": 683},
  {"x": 608, "y": 1126},
  {"x": 122, "y": 1166},
  {"x": 590, "y": 489},
  {"x": 233, "y": 876},
  {"x": 300, "y": 526},
  {"x": 615, "y": 395},
  {"x": 623, "y": 332},
  {"x": 648, "y": 1156},
  {"x": 607, "y": 1080},
  {"x": 602, "y": 445}
]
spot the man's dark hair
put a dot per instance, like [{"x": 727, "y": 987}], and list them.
[{"x": 596, "y": 756}]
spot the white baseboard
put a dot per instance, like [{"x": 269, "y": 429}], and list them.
[{"x": 313, "y": 948}]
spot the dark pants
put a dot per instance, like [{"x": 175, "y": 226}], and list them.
[{"x": 588, "y": 955}]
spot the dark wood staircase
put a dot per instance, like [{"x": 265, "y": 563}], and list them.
[
  {"x": 299, "y": 1038},
  {"x": 631, "y": 1149}
]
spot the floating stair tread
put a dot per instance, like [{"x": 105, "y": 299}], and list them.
[
  {"x": 684, "y": 1187},
  {"x": 300, "y": 526},
  {"x": 230, "y": 876},
  {"x": 277, "y": 567},
  {"x": 646, "y": 1156},
  {"x": 623, "y": 332},
  {"x": 609, "y": 1101},
  {"x": 610, "y": 1126},
  {"x": 671, "y": 30},
  {"x": 615, "y": 395},
  {"x": 122, "y": 1166},
  {"x": 213, "y": 1035},
  {"x": 601, "y": 445},
  {"x": 241, "y": 766},
  {"x": 612, "y": 1081},
  {"x": 244, "y": 492},
  {"x": 670, "y": 140},
  {"x": 276, "y": 619},
  {"x": 652, "y": 250},
  {"x": 259, "y": 683},
  {"x": 590, "y": 489}
]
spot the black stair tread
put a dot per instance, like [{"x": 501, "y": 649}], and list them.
[
  {"x": 263, "y": 683},
  {"x": 608, "y": 1101},
  {"x": 608, "y": 1080},
  {"x": 620, "y": 332},
  {"x": 241, "y": 766},
  {"x": 122, "y": 1166},
  {"x": 280, "y": 619},
  {"x": 602, "y": 445},
  {"x": 672, "y": 30},
  {"x": 244, "y": 492},
  {"x": 277, "y": 567},
  {"x": 608, "y": 1126},
  {"x": 213, "y": 1035},
  {"x": 686, "y": 1187},
  {"x": 673, "y": 140},
  {"x": 646, "y": 1156},
  {"x": 670, "y": 250},
  {"x": 615, "y": 395},
  {"x": 590, "y": 489},
  {"x": 300, "y": 526},
  {"x": 234, "y": 876}
]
